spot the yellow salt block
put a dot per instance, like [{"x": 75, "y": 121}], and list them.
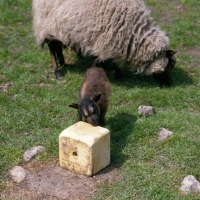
[{"x": 84, "y": 149}]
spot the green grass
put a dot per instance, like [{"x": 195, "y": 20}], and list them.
[{"x": 34, "y": 111}]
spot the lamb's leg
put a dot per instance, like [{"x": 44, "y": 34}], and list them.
[
  {"x": 53, "y": 52},
  {"x": 102, "y": 117},
  {"x": 79, "y": 117}
]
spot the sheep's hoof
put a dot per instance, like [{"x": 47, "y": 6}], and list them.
[
  {"x": 118, "y": 76},
  {"x": 118, "y": 73},
  {"x": 58, "y": 74},
  {"x": 163, "y": 79}
]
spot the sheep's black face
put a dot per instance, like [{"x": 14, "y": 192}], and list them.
[
  {"x": 89, "y": 111},
  {"x": 165, "y": 78}
]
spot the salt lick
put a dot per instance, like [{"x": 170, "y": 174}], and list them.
[{"x": 84, "y": 149}]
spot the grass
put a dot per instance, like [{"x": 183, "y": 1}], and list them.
[{"x": 34, "y": 111}]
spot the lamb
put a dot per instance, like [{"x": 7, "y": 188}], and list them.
[
  {"x": 122, "y": 31},
  {"x": 93, "y": 97}
]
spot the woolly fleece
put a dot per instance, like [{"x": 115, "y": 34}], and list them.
[{"x": 121, "y": 30}]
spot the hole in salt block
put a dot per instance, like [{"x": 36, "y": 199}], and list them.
[{"x": 74, "y": 154}]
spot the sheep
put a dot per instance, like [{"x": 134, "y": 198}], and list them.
[
  {"x": 122, "y": 31},
  {"x": 93, "y": 97}
]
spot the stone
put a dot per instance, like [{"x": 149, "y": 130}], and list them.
[
  {"x": 146, "y": 110},
  {"x": 18, "y": 174},
  {"x": 32, "y": 152},
  {"x": 164, "y": 133},
  {"x": 84, "y": 149},
  {"x": 190, "y": 185}
]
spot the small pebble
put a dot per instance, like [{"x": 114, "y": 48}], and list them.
[
  {"x": 190, "y": 185},
  {"x": 164, "y": 133},
  {"x": 18, "y": 174},
  {"x": 30, "y": 153},
  {"x": 146, "y": 110}
]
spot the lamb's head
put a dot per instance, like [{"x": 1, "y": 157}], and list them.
[
  {"x": 168, "y": 60},
  {"x": 88, "y": 110}
]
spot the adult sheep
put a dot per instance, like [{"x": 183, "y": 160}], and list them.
[{"x": 120, "y": 30}]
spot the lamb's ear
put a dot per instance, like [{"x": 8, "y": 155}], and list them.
[
  {"x": 73, "y": 105},
  {"x": 96, "y": 98},
  {"x": 170, "y": 52}
]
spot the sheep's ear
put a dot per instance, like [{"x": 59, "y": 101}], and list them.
[
  {"x": 170, "y": 52},
  {"x": 96, "y": 98},
  {"x": 73, "y": 105}
]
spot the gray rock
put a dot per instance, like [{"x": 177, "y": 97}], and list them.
[
  {"x": 30, "y": 153},
  {"x": 146, "y": 110},
  {"x": 18, "y": 174},
  {"x": 190, "y": 185},
  {"x": 164, "y": 133}
]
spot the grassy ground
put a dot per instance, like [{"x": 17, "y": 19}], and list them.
[{"x": 34, "y": 111}]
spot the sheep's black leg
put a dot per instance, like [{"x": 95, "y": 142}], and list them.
[
  {"x": 53, "y": 52},
  {"x": 79, "y": 54},
  {"x": 59, "y": 54},
  {"x": 164, "y": 79},
  {"x": 118, "y": 73}
]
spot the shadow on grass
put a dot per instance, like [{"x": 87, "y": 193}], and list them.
[
  {"x": 129, "y": 79},
  {"x": 120, "y": 126},
  {"x": 79, "y": 66},
  {"x": 181, "y": 77}
]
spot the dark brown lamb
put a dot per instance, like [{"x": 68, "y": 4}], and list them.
[{"x": 93, "y": 97}]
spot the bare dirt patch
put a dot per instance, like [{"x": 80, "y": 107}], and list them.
[
  {"x": 166, "y": 16},
  {"x": 195, "y": 52},
  {"x": 50, "y": 181}
]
